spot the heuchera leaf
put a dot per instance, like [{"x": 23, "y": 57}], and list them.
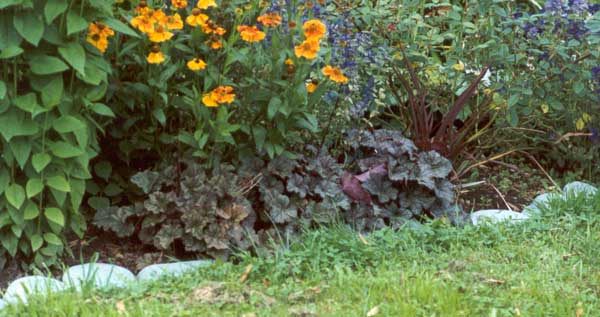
[{"x": 145, "y": 180}]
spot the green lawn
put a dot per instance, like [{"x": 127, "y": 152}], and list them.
[{"x": 546, "y": 267}]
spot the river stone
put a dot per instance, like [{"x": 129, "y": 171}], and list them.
[
  {"x": 156, "y": 271},
  {"x": 100, "y": 275},
  {"x": 497, "y": 215},
  {"x": 21, "y": 288},
  {"x": 578, "y": 188}
]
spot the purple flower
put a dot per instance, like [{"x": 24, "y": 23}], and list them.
[
  {"x": 594, "y": 137},
  {"x": 555, "y": 6},
  {"x": 578, "y": 6}
]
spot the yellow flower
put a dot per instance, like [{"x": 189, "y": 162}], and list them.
[
  {"x": 308, "y": 49},
  {"x": 580, "y": 124},
  {"x": 314, "y": 29},
  {"x": 208, "y": 101},
  {"x": 545, "y": 108},
  {"x": 269, "y": 19},
  {"x": 174, "y": 22},
  {"x": 205, "y": 4},
  {"x": 219, "y": 95},
  {"x": 144, "y": 23},
  {"x": 160, "y": 34},
  {"x": 100, "y": 29},
  {"x": 196, "y": 18},
  {"x": 335, "y": 74},
  {"x": 586, "y": 117},
  {"x": 196, "y": 64},
  {"x": 179, "y": 4},
  {"x": 251, "y": 33},
  {"x": 289, "y": 61},
  {"x": 155, "y": 56},
  {"x": 312, "y": 86},
  {"x": 459, "y": 67},
  {"x": 100, "y": 42},
  {"x": 239, "y": 11}
]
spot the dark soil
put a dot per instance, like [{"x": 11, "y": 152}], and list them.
[{"x": 501, "y": 187}]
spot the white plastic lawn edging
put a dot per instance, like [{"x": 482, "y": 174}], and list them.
[
  {"x": 499, "y": 215},
  {"x": 156, "y": 271},
  {"x": 96, "y": 275},
  {"x": 102, "y": 275}
]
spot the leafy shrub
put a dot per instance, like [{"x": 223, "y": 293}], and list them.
[
  {"x": 206, "y": 213},
  {"x": 51, "y": 88},
  {"x": 238, "y": 208},
  {"x": 397, "y": 181}
]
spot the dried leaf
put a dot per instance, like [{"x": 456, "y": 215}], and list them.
[
  {"x": 579, "y": 312},
  {"x": 120, "y": 305},
  {"x": 374, "y": 311},
  {"x": 301, "y": 311},
  {"x": 362, "y": 239},
  {"x": 494, "y": 281},
  {"x": 247, "y": 271}
]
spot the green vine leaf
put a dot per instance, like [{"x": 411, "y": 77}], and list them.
[
  {"x": 55, "y": 215},
  {"x": 34, "y": 187},
  {"x": 30, "y": 26},
  {"x": 59, "y": 183},
  {"x": 15, "y": 195}
]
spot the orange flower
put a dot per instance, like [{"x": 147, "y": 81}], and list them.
[
  {"x": 220, "y": 31},
  {"x": 251, "y": 33},
  {"x": 312, "y": 85},
  {"x": 214, "y": 43},
  {"x": 142, "y": 8},
  {"x": 219, "y": 95},
  {"x": 144, "y": 23},
  {"x": 160, "y": 34},
  {"x": 100, "y": 29},
  {"x": 289, "y": 61},
  {"x": 196, "y": 64},
  {"x": 158, "y": 16},
  {"x": 174, "y": 22},
  {"x": 205, "y": 4},
  {"x": 211, "y": 27},
  {"x": 155, "y": 56},
  {"x": 179, "y": 4},
  {"x": 335, "y": 74},
  {"x": 100, "y": 42},
  {"x": 269, "y": 19},
  {"x": 308, "y": 49},
  {"x": 196, "y": 18},
  {"x": 314, "y": 29}
]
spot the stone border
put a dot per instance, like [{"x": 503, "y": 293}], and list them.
[{"x": 108, "y": 276}]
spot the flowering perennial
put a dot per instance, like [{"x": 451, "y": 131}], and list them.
[
  {"x": 219, "y": 95},
  {"x": 98, "y": 34}
]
